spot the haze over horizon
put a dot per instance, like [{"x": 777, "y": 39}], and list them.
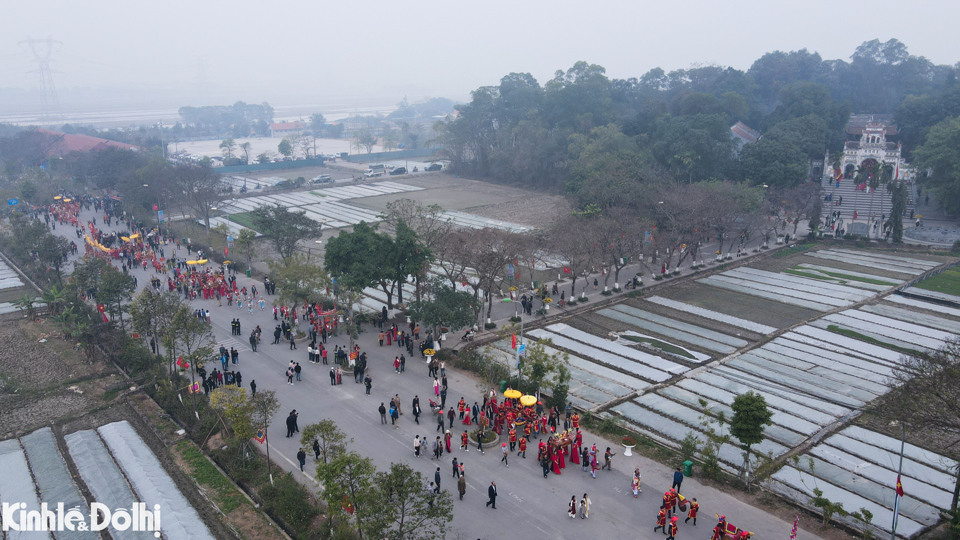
[{"x": 363, "y": 54}]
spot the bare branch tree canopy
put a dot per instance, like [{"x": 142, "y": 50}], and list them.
[
  {"x": 431, "y": 226},
  {"x": 484, "y": 255},
  {"x": 200, "y": 189},
  {"x": 575, "y": 240},
  {"x": 925, "y": 394}
]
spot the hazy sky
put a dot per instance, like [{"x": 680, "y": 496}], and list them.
[{"x": 310, "y": 52}]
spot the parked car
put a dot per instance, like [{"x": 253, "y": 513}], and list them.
[
  {"x": 434, "y": 167},
  {"x": 322, "y": 179},
  {"x": 373, "y": 174},
  {"x": 399, "y": 170}
]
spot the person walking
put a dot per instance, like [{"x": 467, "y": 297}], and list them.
[
  {"x": 635, "y": 483},
  {"x": 451, "y": 415},
  {"x": 253, "y": 387},
  {"x": 440, "y": 420},
  {"x": 436, "y": 479},
  {"x": 572, "y": 507},
  {"x": 492, "y": 494},
  {"x": 585, "y": 507},
  {"x": 290, "y": 376},
  {"x": 394, "y": 416},
  {"x": 291, "y": 424},
  {"x": 302, "y": 458},
  {"x": 673, "y": 528},
  {"x": 368, "y": 383},
  {"x": 505, "y": 452},
  {"x": 692, "y": 513},
  {"x": 316, "y": 449},
  {"x": 480, "y": 440},
  {"x": 462, "y": 486},
  {"x": 661, "y": 520},
  {"x": 677, "y": 479},
  {"x": 383, "y": 414},
  {"x": 416, "y": 409},
  {"x": 296, "y": 370}
]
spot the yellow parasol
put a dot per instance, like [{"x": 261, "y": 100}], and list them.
[
  {"x": 512, "y": 394},
  {"x": 226, "y": 262},
  {"x": 191, "y": 262},
  {"x": 202, "y": 261},
  {"x": 57, "y": 198},
  {"x": 134, "y": 236},
  {"x": 125, "y": 238},
  {"x": 528, "y": 401},
  {"x": 67, "y": 200}
]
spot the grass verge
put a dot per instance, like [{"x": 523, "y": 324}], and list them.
[
  {"x": 663, "y": 346},
  {"x": 947, "y": 282},
  {"x": 802, "y": 272},
  {"x": 209, "y": 477},
  {"x": 793, "y": 250},
  {"x": 867, "y": 339},
  {"x": 244, "y": 218}
]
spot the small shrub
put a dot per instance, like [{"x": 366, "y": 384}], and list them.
[
  {"x": 956, "y": 248},
  {"x": 635, "y": 294},
  {"x": 628, "y": 441},
  {"x": 288, "y": 502},
  {"x": 607, "y": 293},
  {"x": 657, "y": 277},
  {"x": 515, "y": 319},
  {"x": 490, "y": 325},
  {"x": 572, "y": 303},
  {"x": 583, "y": 299}
]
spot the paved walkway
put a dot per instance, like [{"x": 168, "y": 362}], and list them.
[{"x": 528, "y": 504}]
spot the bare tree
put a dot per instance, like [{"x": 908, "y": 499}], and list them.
[
  {"x": 200, "y": 189},
  {"x": 925, "y": 393},
  {"x": 575, "y": 240},
  {"x": 485, "y": 254},
  {"x": 246, "y": 147},
  {"x": 620, "y": 238},
  {"x": 305, "y": 143}
]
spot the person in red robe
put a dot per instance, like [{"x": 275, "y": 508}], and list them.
[
  {"x": 575, "y": 454},
  {"x": 556, "y": 463},
  {"x": 563, "y": 462}
]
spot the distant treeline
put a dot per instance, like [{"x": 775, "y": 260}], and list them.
[{"x": 600, "y": 139}]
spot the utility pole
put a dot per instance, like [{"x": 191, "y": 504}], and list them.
[{"x": 43, "y": 50}]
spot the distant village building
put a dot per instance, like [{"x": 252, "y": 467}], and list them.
[
  {"x": 743, "y": 135},
  {"x": 65, "y": 143},
  {"x": 283, "y": 129},
  {"x": 872, "y": 139}
]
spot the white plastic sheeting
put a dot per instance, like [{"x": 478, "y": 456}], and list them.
[
  {"x": 103, "y": 478},
  {"x": 607, "y": 345},
  {"x": 686, "y": 327},
  {"x": 924, "y": 305},
  {"x": 741, "y": 287},
  {"x": 54, "y": 480},
  {"x": 586, "y": 351},
  {"x": 16, "y": 485},
  {"x": 713, "y": 315},
  {"x": 179, "y": 519}
]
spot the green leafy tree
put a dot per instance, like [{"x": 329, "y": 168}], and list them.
[
  {"x": 264, "y": 406},
  {"x": 52, "y": 254},
  {"x": 318, "y": 124},
  {"x": 712, "y": 424},
  {"x": 413, "y": 513},
  {"x": 447, "y": 307},
  {"x": 561, "y": 385},
  {"x": 263, "y": 158},
  {"x": 245, "y": 243},
  {"x": 773, "y": 162},
  {"x": 940, "y": 153},
  {"x": 285, "y": 228},
  {"x": 285, "y": 148},
  {"x": 227, "y": 146},
  {"x": 365, "y": 258},
  {"x": 750, "y": 416},
  {"x": 350, "y": 481},
  {"x": 246, "y": 147},
  {"x": 332, "y": 441},
  {"x": 189, "y": 337},
  {"x": 897, "y": 209},
  {"x": 153, "y": 315},
  {"x": 237, "y": 408},
  {"x": 299, "y": 280}
]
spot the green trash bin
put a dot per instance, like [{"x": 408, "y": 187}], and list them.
[
  {"x": 503, "y": 386},
  {"x": 248, "y": 272},
  {"x": 688, "y": 468}
]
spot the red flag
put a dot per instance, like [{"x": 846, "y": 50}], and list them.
[
  {"x": 513, "y": 342},
  {"x": 899, "y": 487},
  {"x": 155, "y": 208},
  {"x": 566, "y": 270},
  {"x": 226, "y": 251}
]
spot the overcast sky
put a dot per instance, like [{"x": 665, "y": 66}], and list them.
[{"x": 321, "y": 52}]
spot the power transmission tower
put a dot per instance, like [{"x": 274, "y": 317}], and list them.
[{"x": 43, "y": 50}]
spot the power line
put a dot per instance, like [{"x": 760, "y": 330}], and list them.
[{"x": 43, "y": 50}]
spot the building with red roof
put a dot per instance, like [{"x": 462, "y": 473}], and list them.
[
  {"x": 282, "y": 129},
  {"x": 65, "y": 143}
]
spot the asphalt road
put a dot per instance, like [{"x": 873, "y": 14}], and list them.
[{"x": 528, "y": 504}]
